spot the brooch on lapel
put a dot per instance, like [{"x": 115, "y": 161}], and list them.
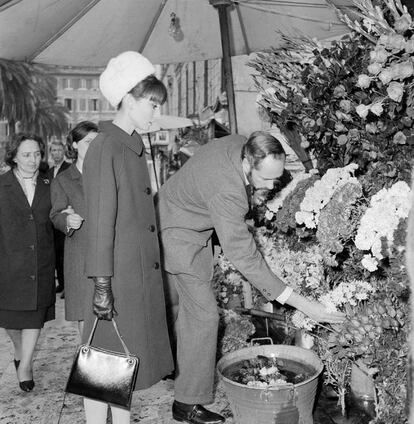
[{"x": 46, "y": 181}]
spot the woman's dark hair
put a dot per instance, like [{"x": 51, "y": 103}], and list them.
[
  {"x": 81, "y": 130},
  {"x": 150, "y": 88},
  {"x": 14, "y": 144},
  {"x": 260, "y": 145}
]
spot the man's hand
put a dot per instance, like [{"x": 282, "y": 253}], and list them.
[
  {"x": 103, "y": 299},
  {"x": 314, "y": 310}
]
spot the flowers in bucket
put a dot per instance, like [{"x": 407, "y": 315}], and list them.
[{"x": 268, "y": 371}]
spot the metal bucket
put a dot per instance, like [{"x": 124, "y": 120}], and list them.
[{"x": 284, "y": 404}]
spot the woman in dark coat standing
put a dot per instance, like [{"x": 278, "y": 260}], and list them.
[
  {"x": 27, "y": 284},
  {"x": 67, "y": 214},
  {"x": 122, "y": 253}
]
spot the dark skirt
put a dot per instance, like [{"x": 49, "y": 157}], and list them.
[{"x": 19, "y": 320}]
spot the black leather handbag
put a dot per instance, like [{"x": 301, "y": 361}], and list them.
[{"x": 102, "y": 374}]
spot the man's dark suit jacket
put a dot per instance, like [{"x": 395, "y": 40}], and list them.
[
  {"x": 50, "y": 171},
  {"x": 209, "y": 192}
]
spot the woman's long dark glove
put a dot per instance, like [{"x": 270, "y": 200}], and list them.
[{"x": 103, "y": 299}]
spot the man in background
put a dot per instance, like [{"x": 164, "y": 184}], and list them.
[{"x": 57, "y": 154}]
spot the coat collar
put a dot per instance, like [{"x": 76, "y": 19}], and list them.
[
  {"x": 73, "y": 172},
  {"x": 235, "y": 146},
  {"x": 42, "y": 188},
  {"x": 134, "y": 141}
]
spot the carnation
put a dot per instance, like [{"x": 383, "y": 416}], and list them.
[
  {"x": 403, "y": 70},
  {"x": 319, "y": 195},
  {"x": 386, "y": 76},
  {"x": 395, "y": 91},
  {"x": 276, "y": 203},
  {"x": 374, "y": 68},
  {"x": 380, "y": 220},
  {"x": 377, "y": 108},
  {"x": 395, "y": 42},
  {"x": 399, "y": 138},
  {"x": 369, "y": 263},
  {"x": 403, "y": 23},
  {"x": 362, "y": 110},
  {"x": 379, "y": 55},
  {"x": 364, "y": 81}
]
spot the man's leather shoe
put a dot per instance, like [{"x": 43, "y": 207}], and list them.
[
  {"x": 195, "y": 414},
  {"x": 59, "y": 289}
]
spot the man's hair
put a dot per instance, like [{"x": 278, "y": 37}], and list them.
[
  {"x": 57, "y": 143},
  {"x": 259, "y": 145}
]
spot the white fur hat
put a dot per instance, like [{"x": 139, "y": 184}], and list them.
[{"x": 123, "y": 73}]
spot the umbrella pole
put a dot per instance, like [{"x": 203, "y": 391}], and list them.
[
  {"x": 221, "y": 6},
  {"x": 153, "y": 161}
]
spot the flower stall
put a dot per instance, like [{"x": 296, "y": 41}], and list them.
[{"x": 337, "y": 233}]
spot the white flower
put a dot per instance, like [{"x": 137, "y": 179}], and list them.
[
  {"x": 317, "y": 196},
  {"x": 379, "y": 55},
  {"x": 362, "y": 110},
  {"x": 386, "y": 76},
  {"x": 395, "y": 91},
  {"x": 345, "y": 105},
  {"x": 276, "y": 203},
  {"x": 380, "y": 220},
  {"x": 364, "y": 81},
  {"x": 377, "y": 108},
  {"x": 399, "y": 138},
  {"x": 374, "y": 68},
  {"x": 370, "y": 263}
]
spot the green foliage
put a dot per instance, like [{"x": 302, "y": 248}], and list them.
[
  {"x": 28, "y": 96},
  {"x": 351, "y": 101}
]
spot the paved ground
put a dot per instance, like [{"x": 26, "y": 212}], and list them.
[{"x": 47, "y": 404}]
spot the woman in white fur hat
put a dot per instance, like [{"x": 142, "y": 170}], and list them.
[{"x": 122, "y": 257}]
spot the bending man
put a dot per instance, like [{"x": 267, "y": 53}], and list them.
[{"x": 210, "y": 193}]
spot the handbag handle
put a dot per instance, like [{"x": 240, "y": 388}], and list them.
[{"x": 88, "y": 343}]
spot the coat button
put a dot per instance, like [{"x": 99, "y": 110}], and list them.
[
  {"x": 148, "y": 190},
  {"x": 31, "y": 217},
  {"x": 156, "y": 265},
  {"x": 151, "y": 228},
  {"x": 31, "y": 247},
  {"x": 32, "y": 277}
]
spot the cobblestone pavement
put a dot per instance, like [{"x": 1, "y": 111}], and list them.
[{"x": 47, "y": 404}]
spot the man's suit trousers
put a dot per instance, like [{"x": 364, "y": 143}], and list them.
[{"x": 197, "y": 326}]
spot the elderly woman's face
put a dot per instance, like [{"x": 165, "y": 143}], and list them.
[{"x": 28, "y": 157}]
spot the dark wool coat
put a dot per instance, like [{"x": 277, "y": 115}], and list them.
[
  {"x": 26, "y": 246},
  {"x": 122, "y": 242},
  {"x": 66, "y": 189}
]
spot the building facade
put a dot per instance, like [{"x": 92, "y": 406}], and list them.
[{"x": 78, "y": 90}]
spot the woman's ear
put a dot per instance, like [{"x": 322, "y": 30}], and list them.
[
  {"x": 128, "y": 100},
  {"x": 75, "y": 145},
  {"x": 246, "y": 166}
]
